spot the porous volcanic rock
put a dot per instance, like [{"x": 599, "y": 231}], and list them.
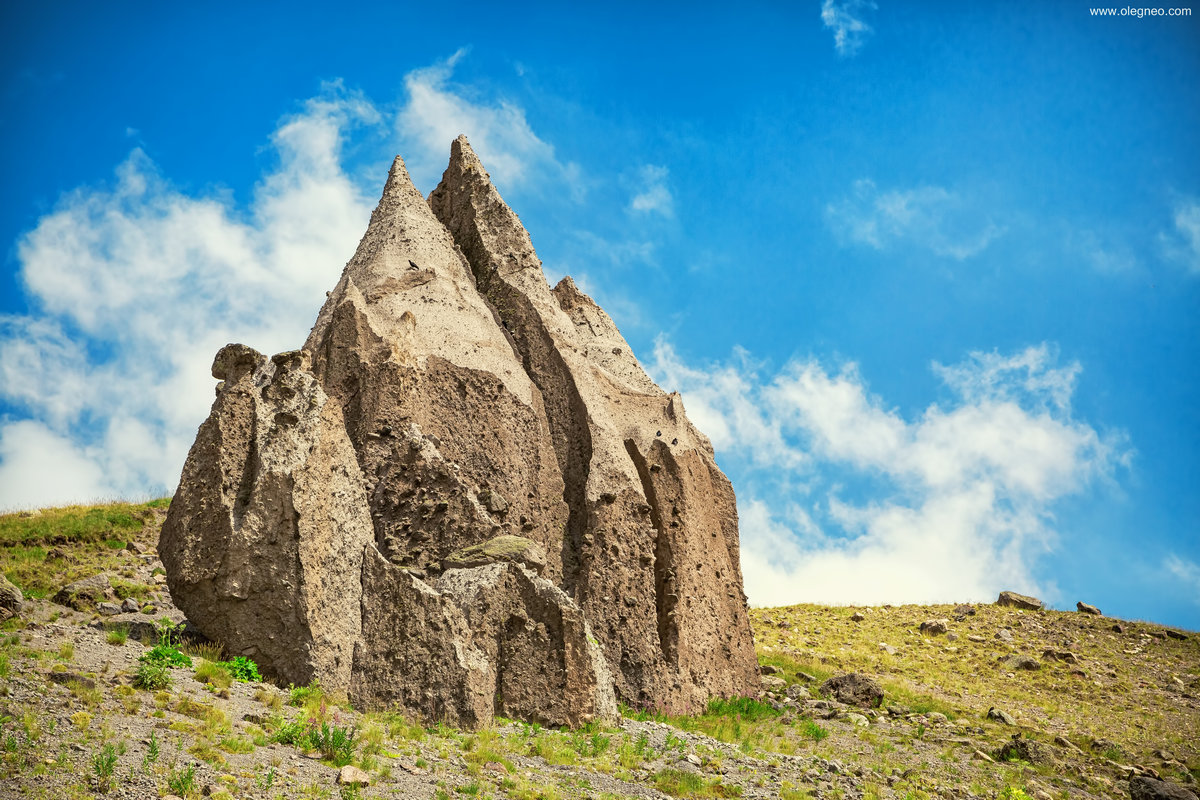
[
  {"x": 650, "y": 549},
  {"x": 1019, "y": 601},
  {"x": 463, "y": 496}
]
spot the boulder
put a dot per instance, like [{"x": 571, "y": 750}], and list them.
[
  {"x": 11, "y": 599},
  {"x": 1020, "y": 662},
  {"x": 1146, "y": 788},
  {"x": 854, "y": 689},
  {"x": 1084, "y": 608},
  {"x": 351, "y": 775},
  {"x": 86, "y": 594},
  {"x": 1003, "y": 717},
  {"x": 934, "y": 627},
  {"x": 1019, "y": 601},
  {"x": 463, "y": 496},
  {"x": 1018, "y": 748}
]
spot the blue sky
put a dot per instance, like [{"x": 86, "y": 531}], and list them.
[{"x": 926, "y": 273}]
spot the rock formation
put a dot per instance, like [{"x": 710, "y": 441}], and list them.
[{"x": 463, "y": 496}]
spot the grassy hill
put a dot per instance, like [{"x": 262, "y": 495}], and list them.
[{"x": 1091, "y": 701}]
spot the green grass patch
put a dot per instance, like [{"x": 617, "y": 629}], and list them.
[{"x": 678, "y": 783}]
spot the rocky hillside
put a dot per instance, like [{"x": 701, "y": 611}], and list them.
[{"x": 973, "y": 701}]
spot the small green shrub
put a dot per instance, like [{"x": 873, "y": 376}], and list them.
[
  {"x": 182, "y": 782},
  {"x": 166, "y": 654},
  {"x": 118, "y": 636},
  {"x": 242, "y": 669},
  {"x": 152, "y": 676},
  {"x": 214, "y": 674},
  {"x": 103, "y": 764},
  {"x": 334, "y": 743}
]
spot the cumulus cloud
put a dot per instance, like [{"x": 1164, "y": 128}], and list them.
[
  {"x": 1182, "y": 243},
  {"x": 653, "y": 195},
  {"x": 136, "y": 285},
  {"x": 847, "y": 501},
  {"x": 929, "y": 217},
  {"x": 437, "y": 110},
  {"x": 846, "y": 19}
]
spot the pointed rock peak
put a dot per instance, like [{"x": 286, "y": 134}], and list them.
[
  {"x": 399, "y": 182},
  {"x": 463, "y": 158}
]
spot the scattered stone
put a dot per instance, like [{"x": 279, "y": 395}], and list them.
[
  {"x": 85, "y": 594},
  {"x": 130, "y": 606},
  {"x": 854, "y": 689},
  {"x": 934, "y": 627},
  {"x": 11, "y": 599},
  {"x": 412, "y": 769},
  {"x": 351, "y": 775},
  {"x": 887, "y": 648},
  {"x": 108, "y": 609},
  {"x": 772, "y": 682},
  {"x": 136, "y": 547},
  {"x": 1020, "y": 748},
  {"x": 976, "y": 638},
  {"x": 965, "y": 610},
  {"x": 67, "y": 678},
  {"x": 1019, "y": 601},
  {"x": 1003, "y": 717},
  {"x": 1118, "y": 627},
  {"x": 982, "y": 756},
  {"x": 798, "y": 692},
  {"x": 1084, "y": 608},
  {"x": 1174, "y": 634},
  {"x": 1146, "y": 788},
  {"x": 1063, "y": 741},
  {"x": 693, "y": 759},
  {"x": 804, "y": 676},
  {"x": 857, "y": 616},
  {"x": 1065, "y": 656},
  {"x": 770, "y": 669},
  {"x": 1020, "y": 662},
  {"x": 1004, "y": 635},
  {"x": 859, "y": 720}
]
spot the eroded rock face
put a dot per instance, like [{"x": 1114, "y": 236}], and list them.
[{"x": 464, "y": 496}]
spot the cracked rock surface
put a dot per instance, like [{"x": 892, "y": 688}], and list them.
[{"x": 464, "y": 496}]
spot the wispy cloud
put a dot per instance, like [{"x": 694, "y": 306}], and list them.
[
  {"x": 846, "y": 500},
  {"x": 846, "y": 18},
  {"x": 929, "y": 217},
  {"x": 437, "y": 110},
  {"x": 1182, "y": 242},
  {"x": 653, "y": 196}
]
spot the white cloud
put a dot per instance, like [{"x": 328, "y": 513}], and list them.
[
  {"x": 845, "y": 19},
  {"x": 653, "y": 195},
  {"x": 437, "y": 111},
  {"x": 134, "y": 286},
  {"x": 930, "y": 217},
  {"x": 1183, "y": 243},
  {"x": 953, "y": 504},
  {"x": 137, "y": 285}
]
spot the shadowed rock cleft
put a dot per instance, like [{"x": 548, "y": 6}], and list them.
[{"x": 458, "y": 498}]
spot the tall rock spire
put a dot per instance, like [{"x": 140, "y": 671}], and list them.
[
  {"x": 464, "y": 496},
  {"x": 652, "y": 521}
]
